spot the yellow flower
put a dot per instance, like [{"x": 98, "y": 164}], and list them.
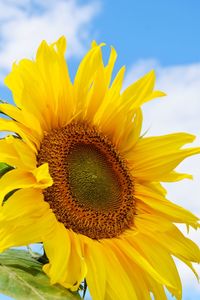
[{"x": 86, "y": 183}]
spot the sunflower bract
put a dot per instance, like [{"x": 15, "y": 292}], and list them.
[{"x": 86, "y": 183}]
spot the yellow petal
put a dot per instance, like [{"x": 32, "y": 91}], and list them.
[
  {"x": 119, "y": 285},
  {"x": 42, "y": 176},
  {"x": 160, "y": 259},
  {"x": 135, "y": 274},
  {"x": 24, "y": 132},
  {"x": 78, "y": 270},
  {"x": 66, "y": 265},
  {"x": 169, "y": 236},
  {"x": 43, "y": 87},
  {"x": 24, "y": 117},
  {"x": 57, "y": 86},
  {"x": 141, "y": 91},
  {"x": 110, "y": 65},
  {"x": 155, "y": 158},
  {"x": 58, "y": 255},
  {"x": 111, "y": 116},
  {"x": 161, "y": 166},
  {"x": 96, "y": 269},
  {"x": 140, "y": 260},
  {"x": 129, "y": 132},
  {"x": 166, "y": 208},
  {"x": 175, "y": 176},
  {"x": 156, "y": 187},
  {"x": 96, "y": 93},
  {"x": 99, "y": 89},
  {"x": 106, "y": 114},
  {"x": 85, "y": 76},
  {"x": 165, "y": 143},
  {"x": 16, "y": 153},
  {"x": 156, "y": 289},
  {"x": 25, "y": 218},
  {"x": 15, "y": 179}
]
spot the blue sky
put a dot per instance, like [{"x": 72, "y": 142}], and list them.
[
  {"x": 166, "y": 30},
  {"x": 163, "y": 35}
]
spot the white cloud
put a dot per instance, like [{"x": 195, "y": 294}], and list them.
[
  {"x": 24, "y": 23},
  {"x": 179, "y": 111}
]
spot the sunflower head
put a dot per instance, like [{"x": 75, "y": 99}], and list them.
[{"x": 86, "y": 183}]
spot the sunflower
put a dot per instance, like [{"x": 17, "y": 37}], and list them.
[{"x": 86, "y": 183}]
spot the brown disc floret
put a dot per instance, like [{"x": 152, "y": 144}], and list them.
[{"x": 93, "y": 191}]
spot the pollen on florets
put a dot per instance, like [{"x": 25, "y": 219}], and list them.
[{"x": 93, "y": 192}]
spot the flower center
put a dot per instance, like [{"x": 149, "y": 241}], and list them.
[
  {"x": 93, "y": 191},
  {"x": 91, "y": 178}
]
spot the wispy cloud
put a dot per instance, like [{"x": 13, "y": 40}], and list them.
[
  {"x": 24, "y": 23},
  {"x": 179, "y": 111}
]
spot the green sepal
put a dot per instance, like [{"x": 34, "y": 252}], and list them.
[
  {"x": 4, "y": 168},
  {"x": 3, "y": 102}
]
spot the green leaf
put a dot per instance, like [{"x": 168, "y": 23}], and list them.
[{"x": 21, "y": 277}]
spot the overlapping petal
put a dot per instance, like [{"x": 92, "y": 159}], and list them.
[
  {"x": 155, "y": 158},
  {"x": 158, "y": 204},
  {"x": 66, "y": 263},
  {"x": 43, "y": 87},
  {"x": 23, "y": 216},
  {"x": 123, "y": 267},
  {"x": 17, "y": 153},
  {"x": 22, "y": 179}
]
